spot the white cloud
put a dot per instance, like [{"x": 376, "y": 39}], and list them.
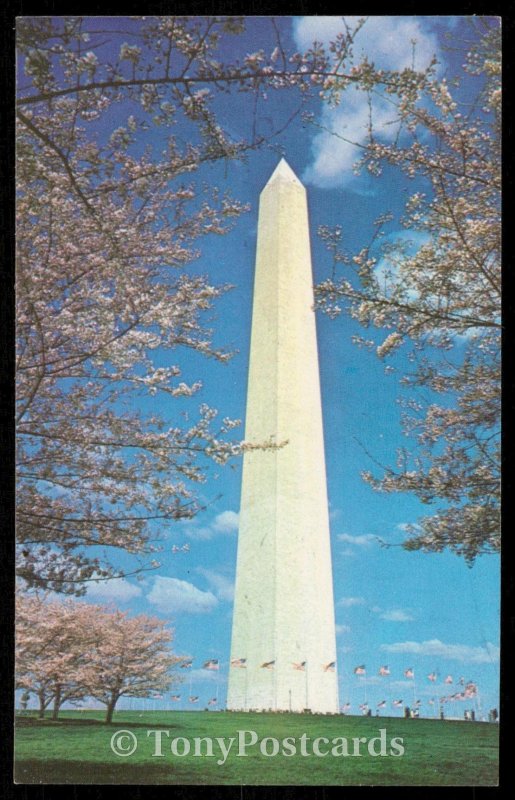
[
  {"x": 347, "y": 602},
  {"x": 365, "y": 540},
  {"x": 397, "y": 615},
  {"x": 335, "y": 155},
  {"x": 198, "y": 534},
  {"x": 342, "y": 629},
  {"x": 438, "y": 649},
  {"x": 323, "y": 29},
  {"x": 171, "y": 596},
  {"x": 225, "y": 522},
  {"x": 116, "y": 590},
  {"x": 387, "y": 41},
  {"x": 222, "y": 586}
]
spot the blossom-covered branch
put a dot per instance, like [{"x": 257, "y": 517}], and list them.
[
  {"x": 437, "y": 287},
  {"x": 111, "y": 216}
]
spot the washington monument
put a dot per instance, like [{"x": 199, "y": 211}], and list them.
[{"x": 283, "y": 650}]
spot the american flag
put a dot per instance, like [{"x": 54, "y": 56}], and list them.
[
  {"x": 301, "y": 665},
  {"x": 448, "y": 679},
  {"x": 382, "y": 704},
  {"x": 187, "y": 663},
  {"x": 268, "y": 664},
  {"x": 175, "y": 697},
  {"x": 409, "y": 673},
  {"x": 364, "y": 706},
  {"x": 359, "y": 670},
  {"x": 470, "y": 689},
  {"x": 432, "y": 676},
  {"x": 238, "y": 662},
  {"x": 384, "y": 670},
  {"x": 431, "y": 702},
  {"x": 397, "y": 703},
  {"x": 329, "y": 667},
  {"x": 417, "y": 703},
  {"x": 194, "y": 698},
  {"x": 346, "y": 707},
  {"x": 212, "y": 702},
  {"x": 211, "y": 664}
]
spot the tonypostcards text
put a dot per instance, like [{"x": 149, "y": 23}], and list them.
[{"x": 124, "y": 743}]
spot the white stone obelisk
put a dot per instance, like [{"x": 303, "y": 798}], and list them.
[{"x": 284, "y": 608}]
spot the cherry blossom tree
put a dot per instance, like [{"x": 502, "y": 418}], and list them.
[
  {"x": 68, "y": 650},
  {"x": 53, "y": 641},
  {"x": 111, "y": 214},
  {"x": 437, "y": 293},
  {"x": 131, "y": 658}
]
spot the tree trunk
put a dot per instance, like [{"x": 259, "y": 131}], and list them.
[
  {"x": 42, "y": 706},
  {"x": 110, "y": 710},
  {"x": 57, "y": 702}
]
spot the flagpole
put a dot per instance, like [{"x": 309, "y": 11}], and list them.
[
  {"x": 307, "y": 697},
  {"x": 246, "y": 683},
  {"x": 365, "y": 680}
]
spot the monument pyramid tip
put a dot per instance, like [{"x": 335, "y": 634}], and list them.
[{"x": 283, "y": 171}]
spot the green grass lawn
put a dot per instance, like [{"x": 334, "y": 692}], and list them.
[{"x": 76, "y": 749}]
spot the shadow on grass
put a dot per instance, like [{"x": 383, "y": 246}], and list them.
[
  {"x": 32, "y": 722},
  {"x": 57, "y": 771}
]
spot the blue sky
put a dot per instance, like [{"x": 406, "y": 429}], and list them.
[{"x": 425, "y": 611}]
